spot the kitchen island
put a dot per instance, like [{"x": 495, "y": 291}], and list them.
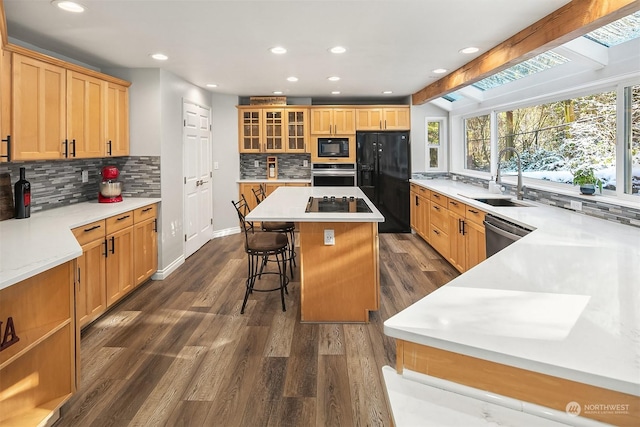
[
  {"x": 550, "y": 325},
  {"x": 339, "y": 278}
]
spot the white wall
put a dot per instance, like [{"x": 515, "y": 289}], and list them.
[
  {"x": 225, "y": 153},
  {"x": 418, "y": 138}
]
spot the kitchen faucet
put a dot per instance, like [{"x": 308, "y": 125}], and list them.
[{"x": 519, "y": 191}]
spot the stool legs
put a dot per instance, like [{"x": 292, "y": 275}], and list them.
[{"x": 255, "y": 269}]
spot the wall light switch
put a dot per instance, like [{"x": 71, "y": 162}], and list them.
[
  {"x": 85, "y": 176},
  {"x": 215, "y": 166},
  {"x": 256, "y": 163},
  {"x": 576, "y": 205},
  {"x": 329, "y": 237},
  {"x": 305, "y": 163}
]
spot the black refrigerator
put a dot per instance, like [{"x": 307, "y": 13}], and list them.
[{"x": 384, "y": 169}]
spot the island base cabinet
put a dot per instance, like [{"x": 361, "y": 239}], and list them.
[
  {"x": 518, "y": 383},
  {"x": 341, "y": 282},
  {"x": 38, "y": 349}
]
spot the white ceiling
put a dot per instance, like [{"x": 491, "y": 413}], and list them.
[{"x": 391, "y": 44}]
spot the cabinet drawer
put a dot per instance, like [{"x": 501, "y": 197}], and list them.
[
  {"x": 457, "y": 207},
  {"x": 439, "y": 199},
  {"x": 414, "y": 187},
  {"x": 439, "y": 217},
  {"x": 145, "y": 212},
  {"x": 90, "y": 232},
  {"x": 439, "y": 240},
  {"x": 118, "y": 222},
  {"x": 475, "y": 215},
  {"x": 424, "y": 192}
]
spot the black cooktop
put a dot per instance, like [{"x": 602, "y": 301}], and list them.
[{"x": 347, "y": 204}]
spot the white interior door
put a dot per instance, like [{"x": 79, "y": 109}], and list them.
[{"x": 198, "y": 206}]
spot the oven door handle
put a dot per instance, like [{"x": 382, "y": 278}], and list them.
[{"x": 333, "y": 173}]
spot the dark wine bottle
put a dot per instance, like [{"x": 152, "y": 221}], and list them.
[{"x": 23, "y": 196}]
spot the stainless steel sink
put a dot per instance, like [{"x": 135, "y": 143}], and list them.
[{"x": 502, "y": 202}]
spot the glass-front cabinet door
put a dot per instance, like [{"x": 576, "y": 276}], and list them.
[
  {"x": 250, "y": 124},
  {"x": 273, "y": 130},
  {"x": 297, "y": 127}
]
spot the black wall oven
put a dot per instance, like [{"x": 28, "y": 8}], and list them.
[
  {"x": 333, "y": 147},
  {"x": 333, "y": 175}
]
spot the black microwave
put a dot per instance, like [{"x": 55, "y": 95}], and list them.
[{"x": 333, "y": 147}]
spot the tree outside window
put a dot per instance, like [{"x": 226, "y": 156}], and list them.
[{"x": 478, "y": 143}]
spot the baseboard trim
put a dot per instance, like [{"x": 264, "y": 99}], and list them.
[
  {"x": 165, "y": 272},
  {"x": 225, "y": 232}
]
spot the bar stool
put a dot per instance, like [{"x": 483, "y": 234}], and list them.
[
  {"x": 259, "y": 247},
  {"x": 279, "y": 227}
]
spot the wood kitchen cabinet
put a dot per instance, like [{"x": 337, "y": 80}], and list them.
[
  {"x": 383, "y": 118},
  {"x": 61, "y": 110},
  {"x": 145, "y": 243},
  {"x": 39, "y": 110},
  {"x": 38, "y": 369},
  {"x": 439, "y": 224},
  {"x": 246, "y": 189},
  {"x": 85, "y": 116},
  {"x": 119, "y": 260},
  {"x": 333, "y": 121},
  {"x": 91, "y": 294},
  {"x": 273, "y": 130},
  {"x": 116, "y": 138},
  {"x": 5, "y": 103},
  {"x": 420, "y": 209},
  {"x": 467, "y": 237}
]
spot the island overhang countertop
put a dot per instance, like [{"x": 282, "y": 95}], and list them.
[{"x": 289, "y": 204}]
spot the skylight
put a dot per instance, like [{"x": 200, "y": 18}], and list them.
[
  {"x": 620, "y": 31},
  {"x": 451, "y": 97},
  {"x": 542, "y": 62}
]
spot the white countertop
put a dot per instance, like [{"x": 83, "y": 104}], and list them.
[
  {"x": 36, "y": 244},
  {"x": 289, "y": 204},
  {"x": 564, "y": 300}
]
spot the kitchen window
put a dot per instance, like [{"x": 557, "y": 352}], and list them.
[
  {"x": 477, "y": 132},
  {"x": 434, "y": 142}
]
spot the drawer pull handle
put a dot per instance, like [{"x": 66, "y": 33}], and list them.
[
  {"x": 86, "y": 230},
  {"x": 473, "y": 211},
  {"x": 454, "y": 203},
  {"x": 436, "y": 196},
  {"x": 113, "y": 245},
  {"x": 436, "y": 208},
  {"x": 123, "y": 217},
  {"x": 146, "y": 209},
  {"x": 106, "y": 249},
  {"x": 437, "y": 232}
]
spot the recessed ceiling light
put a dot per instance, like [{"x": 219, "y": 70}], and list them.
[
  {"x": 292, "y": 79},
  {"x": 277, "y": 92},
  {"x": 439, "y": 71},
  {"x": 387, "y": 92},
  {"x": 69, "y": 6},
  {"x": 278, "y": 50},
  {"x": 335, "y": 92},
  {"x": 337, "y": 49},
  {"x": 160, "y": 56},
  {"x": 333, "y": 78},
  {"x": 470, "y": 49},
  {"x": 212, "y": 85}
]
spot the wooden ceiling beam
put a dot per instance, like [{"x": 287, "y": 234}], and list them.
[
  {"x": 4, "y": 38},
  {"x": 567, "y": 23}
]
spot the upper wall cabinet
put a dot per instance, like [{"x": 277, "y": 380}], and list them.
[
  {"x": 333, "y": 121},
  {"x": 60, "y": 110},
  {"x": 5, "y": 103},
  {"x": 39, "y": 110},
  {"x": 383, "y": 118},
  {"x": 273, "y": 129}
]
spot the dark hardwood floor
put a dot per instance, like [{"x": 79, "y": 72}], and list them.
[{"x": 178, "y": 352}]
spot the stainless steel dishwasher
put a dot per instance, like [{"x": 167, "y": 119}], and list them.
[{"x": 500, "y": 233}]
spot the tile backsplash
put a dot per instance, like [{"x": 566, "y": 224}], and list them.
[
  {"x": 290, "y": 166},
  {"x": 596, "y": 207},
  {"x": 59, "y": 183}
]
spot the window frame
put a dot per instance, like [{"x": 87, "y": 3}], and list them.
[{"x": 442, "y": 161}]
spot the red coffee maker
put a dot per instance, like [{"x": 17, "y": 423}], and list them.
[{"x": 110, "y": 189}]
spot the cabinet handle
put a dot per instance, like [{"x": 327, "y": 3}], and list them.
[
  {"x": 436, "y": 208},
  {"x": 86, "y": 230},
  {"x": 66, "y": 148},
  {"x": 73, "y": 153},
  {"x": 417, "y": 201},
  {"x": 121, "y": 218},
  {"x": 473, "y": 211},
  {"x": 8, "y": 155},
  {"x": 385, "y": 123},
  {"x": 380, "y": 124},
  {"x": 454, "y": 203},
  {"x": 463, "y": 223},
  {"x": 436, "y": 196},
  {"x": 109, "y": 149},
  {"x": 155, "y": 225},
  {"x": 146, "y": 209},
  {"x": 436, "y": 231},
  {"x": 113, "y": 245},
  {"x": 79, "y": 284},
  {"x": 106, "y": 250}
]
